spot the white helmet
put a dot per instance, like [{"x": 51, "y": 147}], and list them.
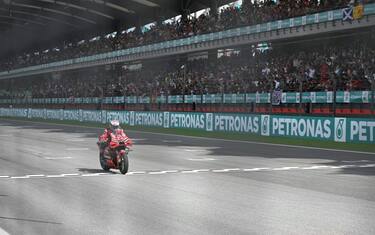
[{"x": 114, "y": 125}]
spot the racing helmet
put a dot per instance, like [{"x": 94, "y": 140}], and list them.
[{"x": 114, "y": 125}]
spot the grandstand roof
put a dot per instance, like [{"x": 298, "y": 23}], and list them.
[{"x": 25, "y": 24}]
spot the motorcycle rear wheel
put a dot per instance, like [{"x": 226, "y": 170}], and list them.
[{"x": 124, "y": 164}]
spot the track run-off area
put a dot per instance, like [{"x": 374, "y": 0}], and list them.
[{"x": 51, "y": 183}]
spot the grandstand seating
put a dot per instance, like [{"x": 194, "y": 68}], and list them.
[{"x": 346, "y": 63}]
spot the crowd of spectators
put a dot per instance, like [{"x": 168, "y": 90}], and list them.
[
  {"x": 341, "y": 64},
  {"x": 249, "y": 13}
]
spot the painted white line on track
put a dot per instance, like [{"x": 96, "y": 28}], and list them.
[
  {"x": 348, "y": 166},
  {"x": 57, "y": 158},
  {"x": 285, "y": 168},
  {"x": 160, "y": 172},
  {"x": 336, "y": 167},
  {"x": 54, "y": 176},
  {"x": 202, "y": 170},
  {"x": 257, "y": 169},
  {"x": 3, "y": 232},
  {"x": 93, "y": 174},
  {"x": 72, "y": 174},
  {"x": 218, "y": 171},
  {"x": 207, "y": 138},
  {"x": 36, "y": 175},
  {"x": 136, "y": 173},
  {"x": 171, "y": 171},
  {"x": 156, "y": 172},
  {"x": 77, "y": 149},
  {"x": 189, "y": 171},
  {"x": 368, "y": 165},
  {"x": 5, "y": 135},
  {"x": 19, "y": 177},
  {"x": 202, "y": 159},
  {"x": 227, "y": 170},
  {"x": 314, "y": 167}
]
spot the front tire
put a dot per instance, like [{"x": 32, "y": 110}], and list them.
[
  {"x": 124, "y": 164},
  {"x": 103, "y": 162}
]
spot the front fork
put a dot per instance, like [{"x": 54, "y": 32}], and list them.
[{"x": 120, "y": 155}]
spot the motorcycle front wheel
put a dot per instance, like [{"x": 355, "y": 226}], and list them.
[
  {"x": 124, "y": 164},
  {"x": 103, "y": 162}
]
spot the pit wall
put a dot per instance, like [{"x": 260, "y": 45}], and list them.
[{"x": 336, "y": 129}]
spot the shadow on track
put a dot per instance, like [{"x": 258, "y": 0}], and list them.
[{"x": 93, "y": 171}]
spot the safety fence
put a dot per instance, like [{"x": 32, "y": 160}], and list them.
[{"x": 358, "y": 97}]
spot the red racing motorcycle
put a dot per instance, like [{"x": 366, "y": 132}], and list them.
[{"x": 115, "y": 154}]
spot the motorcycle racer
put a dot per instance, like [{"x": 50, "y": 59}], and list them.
[{"x": 113, "y": 132}]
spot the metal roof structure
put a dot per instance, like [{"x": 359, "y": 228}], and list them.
[{"x": 26, "y": 24}]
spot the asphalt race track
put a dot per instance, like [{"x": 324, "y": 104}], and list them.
[{"x": 51, "y": 183}]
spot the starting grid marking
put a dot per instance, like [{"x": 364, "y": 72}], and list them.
[{"x": 234, "y": 170}]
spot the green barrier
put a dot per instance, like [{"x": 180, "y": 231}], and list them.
[{"x": 324, "y": 128}]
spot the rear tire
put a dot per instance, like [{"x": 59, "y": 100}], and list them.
[
  {"x": 103, "y": 162},
  {"x": 124, "y": 164}
]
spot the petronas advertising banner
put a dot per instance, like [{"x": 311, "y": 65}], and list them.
[{"x": 338, "y": 129}]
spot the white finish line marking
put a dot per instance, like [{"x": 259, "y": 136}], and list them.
[
  {"x": 36, "y": 175},
  {"x": 19, "y": 177},
  {"x": 257, "y": 169},
  {"x": 95, "y": 174},
  {"x": 54, "y": 176},
  {"x": 285, "y": 168},
  {"x": 73, "y": 174},
  {"x": 163, "y": 172},
  {"x": 57, "y": 158},
  {"x": 136, "y": 173},
  {"x": 368, "y": 165},
  {"x": 314, "y": 167},
  {"x": 227, "y": 170}
]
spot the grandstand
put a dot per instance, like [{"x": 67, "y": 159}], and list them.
[{"x": 281, "y": 57}]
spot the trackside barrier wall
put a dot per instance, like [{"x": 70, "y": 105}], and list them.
[{"x": 337, "y": 129}]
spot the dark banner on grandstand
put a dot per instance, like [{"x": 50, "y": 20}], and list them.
[{"x": 276, "y": 97}]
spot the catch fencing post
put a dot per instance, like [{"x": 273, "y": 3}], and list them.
[
  {"x": 334, "y": 94},
  {"x": 300, "y": 93},
  {"x": 373, "y": 95}
]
